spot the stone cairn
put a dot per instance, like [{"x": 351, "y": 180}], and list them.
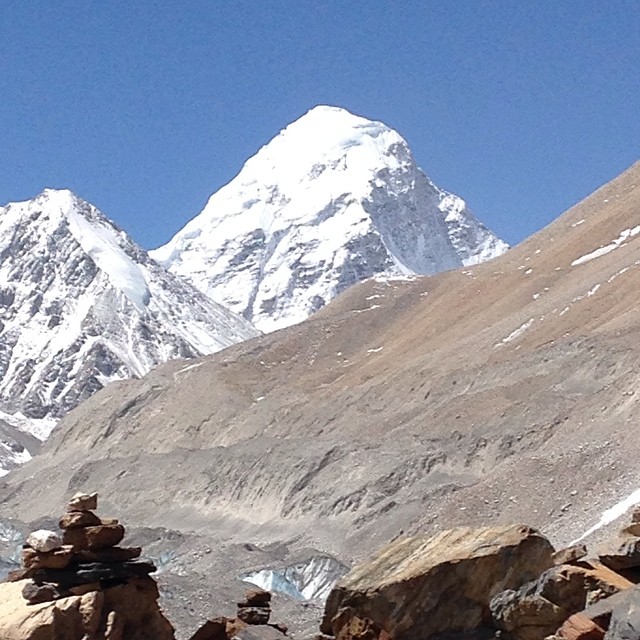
[
  {"x": 84, "y": 558},
  {"x": 253, "y": 613}
]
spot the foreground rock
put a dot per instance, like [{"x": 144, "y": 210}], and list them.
[
  {"x": 625, "y": 617},
  {"x": 540, "y": 607},
  {"x": 124, "y": 612},
  {"x": 418, "y": 587}
]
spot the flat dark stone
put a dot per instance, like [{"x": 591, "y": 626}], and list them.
[
  {"x": 38, "y": 593},
  {"x": 94, "y": 572}
]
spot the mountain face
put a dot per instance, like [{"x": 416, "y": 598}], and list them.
[
  {"x": 332, "y": 200},
  {"x": 80, "y": 306},
  {"x": 499, "y": 393}
]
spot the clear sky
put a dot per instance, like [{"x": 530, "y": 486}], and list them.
[{"x": 146, "y": 107}]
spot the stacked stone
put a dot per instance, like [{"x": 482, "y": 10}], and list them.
[
  {"x": 255, "y": 608},
  {"x": 85, "y": 558}
]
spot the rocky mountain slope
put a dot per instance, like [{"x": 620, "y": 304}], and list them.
[
  {"x": 80, "y": 306},
  {"x": 498, "y": 393},
  {"x": 330, "y": 201}
]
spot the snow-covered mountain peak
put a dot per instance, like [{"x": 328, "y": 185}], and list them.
[
  {"x": 323, "y": 133},
  {"x": 333, "y": 199},
  {"x": 82, "y": 305},
  {"x": 99, "y": 238}
]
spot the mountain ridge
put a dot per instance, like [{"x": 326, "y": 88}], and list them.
[{"x": 405, "y": 405}]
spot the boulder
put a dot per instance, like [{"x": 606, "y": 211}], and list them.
[
  {"x": 36, "y": 593},
  {"x": 539, "y": 608},
  {"x": 125, "y": 612},
  {"x": 256, "y": 598},
  {"x": 100, "y": 537},
  {"x": 44, "y": 540},
  {"x": 421, "y": 586},
  {"x": 570, "y": 555},
  {"x": 75, "y": 519},
  {"x": 620, "y": 554},
  {"x": 83, "y": 502},
  {"x": 625, "y": 618},
  {"x": 631, "y": 530}
]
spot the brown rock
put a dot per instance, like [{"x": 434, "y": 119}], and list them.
[
  {"x": 74, "y": 617},
  {"x": 579, "y": 627},
  {"x": 107, "y": 556},
  {"x": 17, "y": 574},
  {"x": 83, "y": 502},
  {"x": 570, "y": 554},
  {"x": 256, "y": 597},
  {"x": 94, "y": 538},
  {"x": 58, "y": 559},
  {"x": 537, "y": 609},
  {"x": 109, "y": 521},
  {"x": 620, "y": 554},
  {"x": 81, "y": 589},
  {"x": 635, "y": 515},
  {"x": 75, "y": 519},
  {"x": 631, "y": 530},
  {"x": 212, "y": 630},
  {"x": 418, "y": 587}
]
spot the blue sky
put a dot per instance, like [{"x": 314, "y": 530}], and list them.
[{"x": 145, "y": 108}]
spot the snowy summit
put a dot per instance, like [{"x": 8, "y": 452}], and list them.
[
  {"x": 333, "y": 199},
  {"x": 82, "y": 305}
]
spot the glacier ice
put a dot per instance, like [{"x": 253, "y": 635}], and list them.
[{"x": 311, "y": 579}]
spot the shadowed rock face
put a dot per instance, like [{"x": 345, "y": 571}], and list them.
[{"x": 500, "y": 393}]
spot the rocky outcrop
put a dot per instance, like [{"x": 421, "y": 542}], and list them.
[
  {"x": 539, "y": 608},
  {"x": 80, "y": 586},
  {"x": 583, "y": 599},
  {"x": 124, "y": 612},
  {"x": 453, "y": 584},
  {"x": 418, "y": 587}
]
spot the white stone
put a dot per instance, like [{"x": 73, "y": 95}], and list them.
[{"x": 44, "y": 540}]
